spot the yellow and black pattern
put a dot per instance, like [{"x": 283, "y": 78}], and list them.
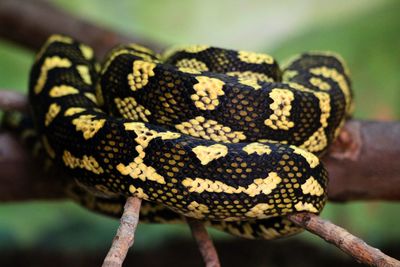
[{"x": 220, "y": 135}]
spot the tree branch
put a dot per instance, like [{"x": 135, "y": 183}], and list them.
[
  {"x": 29, "y": 23},
  {"x": 125, "y": 236},
  {"x": 362, "y": 163},
  {"x": 342, "y": 239},
  {"x": 204, "y": 242}
]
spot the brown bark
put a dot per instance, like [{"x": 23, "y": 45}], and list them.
[
  {"x": 125, "y": 236},
  {"x": 362, "y": 167},
  {"x": 342, "y": 239},
  {"x": 29, "y": 23},
  {"x": 363, "y": 163},
  {"x": 204, "y": 242}
]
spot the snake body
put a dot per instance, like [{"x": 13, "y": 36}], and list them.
[{"x": 219, "y": 135}]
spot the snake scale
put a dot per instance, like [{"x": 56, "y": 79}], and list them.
[{"x": 215, "y": 134}]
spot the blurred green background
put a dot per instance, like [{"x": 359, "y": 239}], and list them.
[{"x": 366, "y": 33}]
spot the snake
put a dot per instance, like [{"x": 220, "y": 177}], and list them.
[{"x": 223, "y": 136}]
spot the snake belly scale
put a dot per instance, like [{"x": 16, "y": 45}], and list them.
[{"x": 219, "y": 135}]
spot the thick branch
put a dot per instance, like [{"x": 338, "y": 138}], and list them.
[
  {"x": 125, "y": 236},
  {"x": 342, "y": 239},
  {"x": 204, "y": 242},
  {"x": 362, "y": 167},
  {"x": 362, "y": 164},
  {"x": 29, "y": 23}
]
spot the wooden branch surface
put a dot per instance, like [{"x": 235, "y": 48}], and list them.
[
  {"x": 373, "y": 175},
  {"x": 29, "y": 23},
  {"x": 204, "y": 242},
  {"x": 125, "y": 236},
  {"x": 342, "y": 239},
  {"x": 362, "y": 166}
]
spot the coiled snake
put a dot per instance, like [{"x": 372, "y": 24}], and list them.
[{"x": 219, "y": 135}]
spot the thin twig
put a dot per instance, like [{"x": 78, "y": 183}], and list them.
[
  {"x": 125, "y": 236},
  {"x": 342, "y": 239},
  {"x": 204, "y": 242}
]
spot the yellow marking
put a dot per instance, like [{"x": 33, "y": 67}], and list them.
[
  {"x": 49, "y": 64},
  {"x": 259, "y": 186},
  {"x": 84, "y": 73},
  {"x": 335, "y": 55},
  {"x": 86, "y": 51},
  {"x": 62, "y": 90},
  {"x": 285, "y": 142},
  {"x": 73, "y": 111},
  {"x": 53, "y": 111},
  {"x": 258, "y": 211},
  {"x": 281, "y": 106},
  {"x": 88, "y": 163},
  {"x": 320, "y": 84},
  {"x": 324, "y": 105},
  {"x": 300, "y": 206},
  {"x": 99, "y": 95},
  {"x": 250, "y": 82},
  {"x": 269, "y": 233},
  {"x": 142, "y": 71},
  {"x": 52, "y": 39},
  {"x": 130, "y": 109},
  {"x": 137, "y": 169},
  {"x": 114, "y": 55},
  {"x": 138, "y": 192},
  {"x": 210, "y": 130},
  {"x": 189, "y": 70},
  {"x": 192, "y": 64},
  {"x": 189, "y": 49},
  {"x": 92, "y": 97},
  {"x": 196, "y": 48},
  {"x": 289, "y": 74},
  {"x": 255, "y": 58},
  {"x": 50, "y": 151},
  {"x": 300, "y": 87},
  {"x": 258, "y": 148},
  {"x": 318, "y": 140},
  {"x": 251, "y": 75},
  {"x": 233, "y": 230},
  {"x": 310, "y": 157},
  {"x": 207, "y": 92},
  {"x": 247, "y": 229},
  {"x": 209, "y": 153},
  {"x": 197, "y": 210},
  {"x": 250, "y": 78},
  {"x": 337, "y": 77},
  {"x": 140, "y": 48},
  {"x": 88, "y": 125},
  {"x": 312, "y": 187}
]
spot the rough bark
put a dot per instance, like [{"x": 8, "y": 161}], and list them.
[
  {"x": 342, "y": 239},
  {"x": 29, "y": 23},
  {"x": 125, "y": 236},
  {"x": 204, "y": 242}
]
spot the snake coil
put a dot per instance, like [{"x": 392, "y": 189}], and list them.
[{"x": 219, "y": 135}]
